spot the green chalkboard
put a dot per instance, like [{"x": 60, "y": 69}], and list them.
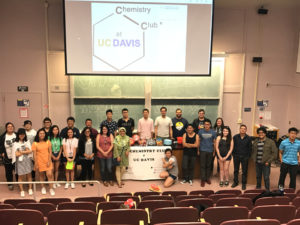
[{"x": 113, "y": 86}]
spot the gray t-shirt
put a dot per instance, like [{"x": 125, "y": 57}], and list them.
[
  {"x": 89, "y": 147},
  {"x": 163, "y": 126},
  {"x": 174, "y": 169}
]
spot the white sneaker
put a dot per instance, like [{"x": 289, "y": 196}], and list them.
[
  {"x": 44, "y": 191},
  {"x": 30, "y": 192},
  {"x": 22, "y": 193},
  {"x": 191, "y": 182},
  {"x": 183, "y": 182},
  {"x": 52, "y": 192},
  {"x": 58, "y": 185},
  {"x": 72, "y": 185},
  {"x": 66, "y": 185},
  {"x": 54, "y": 185}
]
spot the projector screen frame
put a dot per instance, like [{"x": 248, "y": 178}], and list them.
[{"x": 140, "y": 74}]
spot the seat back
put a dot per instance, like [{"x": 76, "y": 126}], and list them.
[
  {"x": 44, "y": 208},
  {"x": 217, "y": 215},
  {"x": 174, "y": 193},
  {"x": 90, "y": 199},
  {"x": 216, "y": 197},
  {"x": 174, "y": 214},
  {"x": 118, "y": 194},
  {"x": 280, "y": 200},
  {"x": 249, "y": 195},
  {"x": 145, "y": 193},
  {"x": 15, "y": 202},
  {"x": 258, "y": 191},
  {"x": 206, "y": 202},
  {"x": 55, "y": 201},
  {"x": 125, "y": 198},
  {"x": 232, "y": 191},
  {"x": 6, "y": 206},
  {"x": 290, "y": 195},
  {"x": 294, "y": 222},
  {"x": 155, "y": 204},
  {"x": 252, "y": 222},
  {"x": 184, "y": 223},
  {"x": 158, "y": 197},
  {"x": 124, "y": 216},
  {"x": 109, "y": 205},
  {"x": 283, "y": 213},
  {"x": 204, "y": 193},
  {"x": 296, "y": 202},
  {"x": 77, "y": 206},
  {"x": 21, "y": 216},
  {"x": 237, "y": 201},
  {"x": 71, "y": 217},
  {"x": 183, "y": 197}
]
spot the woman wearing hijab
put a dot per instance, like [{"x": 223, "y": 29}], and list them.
[{"x": 121, "y": 152}]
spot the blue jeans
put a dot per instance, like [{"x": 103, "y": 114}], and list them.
[
  {"x": 106, "y": 168},
  {"x": 262, "y": 169}
]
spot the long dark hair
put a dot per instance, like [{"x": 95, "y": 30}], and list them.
[
  {"x": 222, "y": 124},
  {"x": 51, "y": 135},
  {"x": 83, "y": 137},
  {"x": 229, "y": 136},
  {"x": 21, "y": 131},
  {"x": 101, "y": 130},
  {"x": 37, "y": 139}
]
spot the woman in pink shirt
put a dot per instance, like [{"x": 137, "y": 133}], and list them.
[{"x": 104, "y": 144}]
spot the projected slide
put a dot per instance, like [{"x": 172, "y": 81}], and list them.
[{"x": 138, "y": 37}]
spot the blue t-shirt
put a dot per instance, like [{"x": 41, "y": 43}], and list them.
[
  {"x": 290, "y": 151},
  {"x": 207, "y": 140}
]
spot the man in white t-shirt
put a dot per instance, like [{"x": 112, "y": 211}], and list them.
[
  {"x": 163, "y": 125},
  {"x": 30, "y": 132}
]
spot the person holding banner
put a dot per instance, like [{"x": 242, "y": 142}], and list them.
[
  {"x": 170, "y": 164},
  {"x": 121, "y": 152}
]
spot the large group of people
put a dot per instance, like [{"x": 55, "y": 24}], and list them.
[{"x": 27, "y": 152}]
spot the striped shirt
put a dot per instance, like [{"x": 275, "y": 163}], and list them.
[{"x": 260, "y": 150}]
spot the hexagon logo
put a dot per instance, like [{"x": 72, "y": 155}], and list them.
[{"x": 120, "y": 47}]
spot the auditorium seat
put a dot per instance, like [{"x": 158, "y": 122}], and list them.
[
  {"x": 206, "y": 202},
  {"x": 184, "y": 223},
  {"x": 217, "y": 215},
  {"x": 109, "y": 205},
  {"x": 183, "y": 197},
  {"x": 6, "y": 206},
  {"x": 158, "y": 197},
  {"x": 174, "y": 193},
  {"x": 278, "y": 200},
  {"x": 294, "y": 222},
  {"x": 216, "y": 197},
  {"x": 258, "y": 191},
  {"x": 71, "y": 217},
  {"x": 237, "y": 201},
  {"x": 21, "y": 216},
  {"x": 16, "y": 201},
  {"x": 252, "y": 222},
  {"x": 145, "y": 193},
  {"x": 155, "y": 204},
  {"x": 55, "y": 201},
  {"x": 124, "y": 216},
  {"x": 290, "y": 195},
  {"x": 204, "y": 193},
  {"x": 125, "y": 198},
  {"x": 296, "y": 202},
  {"x": 232, "y": 191},
  {"x": 287, "y": 190},
  {"x": 108, "y": 195},
  {"x": 283, "y": 213},
  {"x": 44, "y": 208},
  {"x": 90, "y": 199},
  {"x": 174, "y": 214},
  {"x": 77, "y": 206},
  {"x": 249, "y": 195}
]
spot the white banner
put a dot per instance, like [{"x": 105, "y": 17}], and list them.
[{"x": 145, "y": 162}]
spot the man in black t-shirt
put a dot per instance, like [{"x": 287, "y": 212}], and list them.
[
  {"x": 126, "y": 122},
  {"x": 179, "y": 124},
  {"x": 198, "y": 123}
]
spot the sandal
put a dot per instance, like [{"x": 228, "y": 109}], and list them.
[
  {"x": 226, "y": 183},
  {"x": 221, "y": 184}
]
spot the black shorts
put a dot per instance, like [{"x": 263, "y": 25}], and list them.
[
  {"x": 172, "y": 176},
  {"x": 64, "y": 159}
]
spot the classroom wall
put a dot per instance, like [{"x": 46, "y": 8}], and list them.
[{"x": 237, "y": 30}]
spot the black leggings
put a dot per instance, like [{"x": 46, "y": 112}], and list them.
[{"x": 86, "y": 170}]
